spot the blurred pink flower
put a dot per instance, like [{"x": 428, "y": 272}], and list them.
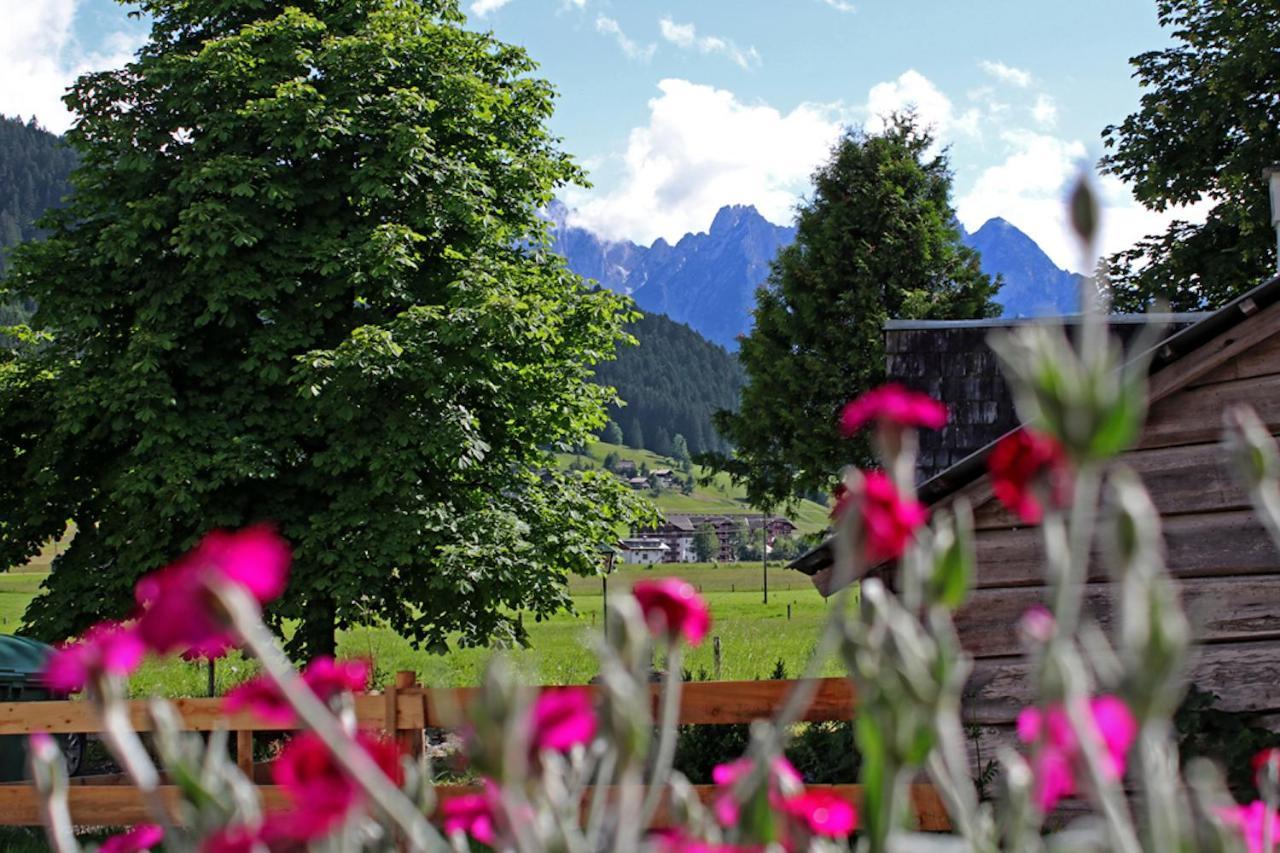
[
  {"x": 1023, "y": 465},
  {"x": 312, "y": 778},
  {"x": 140, "y": 838},
  {"x": 673, "y": 607},
  {"x": 472, "y": 814},
  {"x": 562, "y": 717},
  {"x": 1057, "y": 752},
  {"x": 107, "y": 648},
  {"x": 1251, "y": 821},
  {"x": 176, "y": 612},
  {"x": 325, "y": 676},
  {"x": 895, "y": 405},
  {"x": 725, "y": 805},
  {"x": 824, "y": 812},
  {"x": 1037, "y": 623},
  {"x": 888, "y": 520},
  {"x": 1266, "y": 764}
]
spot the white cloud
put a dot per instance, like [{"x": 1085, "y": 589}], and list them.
[
  {"x": 1029, "y": 189},
  {"x": 685, "y": 36},
  {"x": 480, "y": 8},
  {"x": 1045, "y": 111},
  {"x": 913, "y": 91},
  {"x": 704, "y": 148},
  {"x": 1006, "y": 73},
  {"x": 841, "y": 5},
  {"x": 42, "y": 58},
  {"x": 609, "y": 26}
]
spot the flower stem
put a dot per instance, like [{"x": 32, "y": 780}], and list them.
[{"x": 671, "y": 685}]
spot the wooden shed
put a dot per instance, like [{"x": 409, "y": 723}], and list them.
[{"x": 1227, "y": 566}]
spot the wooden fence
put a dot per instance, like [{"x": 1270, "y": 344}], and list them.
[{"x": 404, "y": 710}]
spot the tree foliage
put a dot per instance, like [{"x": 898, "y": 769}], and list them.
[
  {"x": 672, "y": 383},
  {"x": 1208, "y": 124},
  {"x": 878, "y": 240},
  {"x": 706, "y": 545},
  {"x": 302, "y": 279}
]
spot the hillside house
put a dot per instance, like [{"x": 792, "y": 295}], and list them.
[
  {"x": 1226, "y": 564},
  {"x": 643, "y": 552},
  {"x": 676, "y": 532},
  {"x": 638, "y": 482},
  {"x": 625, "y": 468}
]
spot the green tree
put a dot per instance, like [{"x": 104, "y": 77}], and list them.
[
  {"x": 680, "y": 449},
  {"x": 635, "y": 434},
  {"x": 877, "y": 240},
  {"x": 612, "y": 433},
  {"x": 1208, "y": 124},
  {"x": 706, "y": 545},
  {"x": 611, "y": 461},
  {"x": 302, "y": 278},
  {"x": 661, "y": 442}
]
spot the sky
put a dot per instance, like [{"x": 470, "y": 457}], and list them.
[{"x": 678, "y": 107}]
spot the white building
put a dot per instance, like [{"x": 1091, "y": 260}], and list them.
[{"x": 644, "y": 552}]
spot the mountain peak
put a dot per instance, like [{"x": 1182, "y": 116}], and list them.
[{"x": 733, "y": 215}]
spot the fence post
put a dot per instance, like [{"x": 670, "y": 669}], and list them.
[
  {"x": 244, "y": 753},
  {"x": 715, "y": 656},
  {"x": 410, "y": 741}
]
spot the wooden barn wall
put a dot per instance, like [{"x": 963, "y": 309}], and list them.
[{"x": 1227, "y": 566}]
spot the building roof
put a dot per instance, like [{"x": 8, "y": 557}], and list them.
[
  {"x": 1062, "y": 320},
  {"x": 1208, "y": 326}
]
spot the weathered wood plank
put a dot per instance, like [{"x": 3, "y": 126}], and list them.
[
  {"x": 1237, "y": 609},
  {"x": 114, "y": 805},
  {"x": 1194, "y": 416},
  {"x": 1200, "y": 545},
  {"x": 1261, "y": 360},
  {"x": 197, "y": 715},
  {"x": 1227, "y": 347},
  {"x": 1245, "y": 675},
  {"x": 701, "y": 702}
]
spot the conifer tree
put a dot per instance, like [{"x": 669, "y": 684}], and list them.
[{"x": 877, "y": 240}]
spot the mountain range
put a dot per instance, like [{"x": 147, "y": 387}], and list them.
[{"x": 708, "y": 280}]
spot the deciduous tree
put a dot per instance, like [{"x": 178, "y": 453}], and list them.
[
  {"x": 303, "y": 280},
  {"x": 1208, "y": 124}
]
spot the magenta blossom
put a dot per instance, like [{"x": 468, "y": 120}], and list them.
[
  {"x": 473, "y": 815},
  {"x": 137, "y": 840},
  {"x": 823, "y": 812},
  {"x": 314, "y": 781},
  {"x": 108, "y": 648},
  {"x": 1057, "y": 753},
  {"x": 325, "y": 676},
  {"x": 1251, "y": 820},
  {"x": 176, "y": 610},
  {"x": 894, "y": 405},
  {"x": 674, "y": 608},
  {"x": 783, "y": 779},
  {"x": 1037, "y": 624},
  {"x": 562, "y": 718},
  {"x": 889, "y": 520}
]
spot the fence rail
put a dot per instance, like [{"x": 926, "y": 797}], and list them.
[{"x": 403, "y": 710}]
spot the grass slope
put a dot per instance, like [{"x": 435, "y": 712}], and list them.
[{"x": 718, "y": 497}]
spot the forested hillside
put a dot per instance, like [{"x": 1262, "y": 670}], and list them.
[
  {"x": 34, "y": 167},
  {"x": 672, "y": 382}
]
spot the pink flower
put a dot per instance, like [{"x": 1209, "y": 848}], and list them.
[
  {"x": 312, "y": 778},
  {"x": 1024, "y": 465},
  {"x": 142, "y": 837},
  {"x": 1266, "y": 765},
  {"x": 1251, "y": 820},
  {"x": 1037, "y": 624},
  {"x": 781, "y": 776},
  {"x": 823, "y": 812},
  {"x": 473, "y": 815},
  {"x": 563, "y": 717},
  {"x": 673, "y": 607},
  {"x": 108, "y": 648},
  {"x": 894, "y": 405},
  {"x": 1057, "y": 751},
  {"x": 176, "y": 612},
  {"x": 325, "y": 676},
  {"x": 888, "y": 520}
]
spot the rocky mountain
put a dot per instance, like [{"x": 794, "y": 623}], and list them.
[
  {"x": 1033, "y": 285},
  {"x": 708, "y": 280}
]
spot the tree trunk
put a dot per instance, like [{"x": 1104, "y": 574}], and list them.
[{"x": 316, "y": 636}]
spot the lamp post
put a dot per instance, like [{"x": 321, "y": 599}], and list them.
[{"x": 608, "y": 555}]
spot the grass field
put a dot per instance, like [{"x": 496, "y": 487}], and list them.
[
  {"x": 719, "y": 496},
  {"x": 753, "y": 635}
]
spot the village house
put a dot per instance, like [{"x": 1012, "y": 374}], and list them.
[
  {"x": 1227, "y": 566},
  {"x": 643, "y": 552},
  {"x": 678, "y": 533}
]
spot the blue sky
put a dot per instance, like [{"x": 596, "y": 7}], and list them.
[{"x": 678, "y": 107}]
